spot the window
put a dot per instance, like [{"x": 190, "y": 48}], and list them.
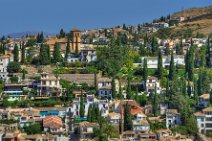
[{"x": 202, "y": 125}]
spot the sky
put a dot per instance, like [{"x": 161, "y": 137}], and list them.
[{"x": 50, "y": 16}]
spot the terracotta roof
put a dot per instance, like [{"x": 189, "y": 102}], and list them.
[
  {"x": 52, "y": 122},
  {"x": 113, "y": 114},
  {"x": 208, "y": 109},
  {"x": 88, "y": 124},
  {"x": 5, "y": 55},
  {"x": 199, "y": 114},
  {"x": 205, "y": 96}
]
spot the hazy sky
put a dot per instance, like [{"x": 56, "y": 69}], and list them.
[{"x": 52, "y": 15}]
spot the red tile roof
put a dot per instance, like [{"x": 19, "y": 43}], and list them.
[{"x": 52, "y": 122}]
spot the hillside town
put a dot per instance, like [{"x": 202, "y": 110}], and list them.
[{"x": 151, "y": 81}]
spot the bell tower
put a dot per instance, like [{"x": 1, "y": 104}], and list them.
[{"x": 76, "y": 40}]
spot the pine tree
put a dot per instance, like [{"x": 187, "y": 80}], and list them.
[
  {"x": 127, "y": 117},
  {"x": 23, "y": 54},
  {"x": 67, "y": 50},
  {"x": 56, "y": 54},
  {"x": 171, "y": 68},
  {"x": 145, "y": 70},
  {"x": 82, "y": 110},
  {"x": 143, "y": 51},
  {"x": 160, "y": 65},
  {"x": 113, "y": 88},
  {"x": 62, "y": 34},
  {"x": 16, "y": 53}
]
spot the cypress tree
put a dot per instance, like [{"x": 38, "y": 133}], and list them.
[
  {"x": 44, "y": 56},
  {"x": 23, "y": 54},
  {"x": 82, "y": 110},
  {"x": 171, "y": 68},
  {"x": 211, "y": 97},
  {"x": 127, "y": 117},
  {"x": 189, "y": 89},
  {"x": 191, "y": 64},
  {"x": 195, "y": 90},
  {"x": 154, "y": 46},
  {"x": 187, "y": 62},
  {"x": 67, "y": 49},
  {"x": 120, "y": 91},
  {"x": 129, "y": 93},
  {"x": 16, "y": 53},
  {"x": 56, "y": 54},
  {"x": 167, "y": 50},
  {"x": 160, "y": 65},
  {"x": 89, "y": 115},
  {"x": 145, "y": 70},
  {"x": 208, "y": 54},
  {"x": 184, "y": 89},
  {"x": 76, "y": 49},
  {"x": 155, "y": 103},
  {"x": 113, "y": 88},
  {"x": 200, "y": 84}
]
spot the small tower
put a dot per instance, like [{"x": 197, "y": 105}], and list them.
[{"x": 76, "y": 40}]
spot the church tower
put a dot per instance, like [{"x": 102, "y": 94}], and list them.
[{"x": 76, "y": 40}]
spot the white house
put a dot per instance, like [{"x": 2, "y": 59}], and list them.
[
  {"x": 104, "y": 88},
  {"x": 5, "y": 59},
  {"x": 151, "y": 84},
  {"x": 172, "y": 118},
  {"x": 89, "y": 101},
  {"x": 152, "y": 62},
  {"x": 204, "y": 120},
  {"x": 204, "y": 100},
  {"x": 48, "y": 85},
  {"x": 88, "y": 55},
  {"x": 140, "y": 125},
  {"x": 114, "y": 118}
]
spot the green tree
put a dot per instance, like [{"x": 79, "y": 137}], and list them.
[
  {"x": 33, "y": 129},
  {"x": 210, "y": 97},
  {"x": 56, "y": 54},
  {"x": 127, "y": 117},
  {"x": 189, "y": 89},
  {"x": 89, "y": 115},
  {"x": 120, "y": 91},
  {"x": 44, "y": 55},
  {"x": 62, "y": 34},
  {"x": 154, "y": 46},
  {"x": 67, "y": 50},
  {"x": 208, "y": 54},
  {"x": 129, "y": 92},
  {"x": 160, "y": 65},
  {"x": 82, "y": 109},
  {"x": 142, "y": 50},
  {"x": 16, "y": 53},
  {"x": 145, "y": 70},
  {"x": 155, "y": 103},
  {"x": 171, "y": 68},
  {"x": 77, "y": 48},
  {"x": 14, "y": 67},
  {"x": 113, "y": 88},
  {"x": 191, "y": 64},
  {"x": 167, "y": 50},
  {"x": 23, "y": 54}
]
